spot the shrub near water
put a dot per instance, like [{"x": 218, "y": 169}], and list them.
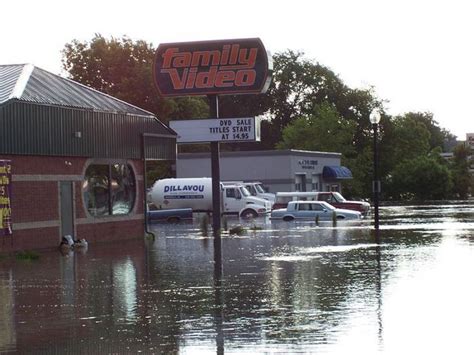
[
  {"x": 237, "y": 230},
  {"x": 204, "y": 225},
  {"x": 224, "y": 223},
  {"x": 27, "y": 255}
]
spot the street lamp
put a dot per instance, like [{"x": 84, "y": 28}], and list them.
[{"x": 375, "y": 119}]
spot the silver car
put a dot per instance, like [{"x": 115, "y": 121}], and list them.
[{"x": 313, "y": 210}]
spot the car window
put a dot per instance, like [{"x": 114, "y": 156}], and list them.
[{"x": 317, "y": 207}]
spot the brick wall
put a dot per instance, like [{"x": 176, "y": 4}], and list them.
[{"x": 36, "y": 215}]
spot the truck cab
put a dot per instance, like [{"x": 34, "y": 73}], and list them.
[
  {"x": 237, "y": 199},
  {"x": 255, "y": 188}
]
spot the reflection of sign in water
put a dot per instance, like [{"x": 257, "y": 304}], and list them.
[{"x": 5, "y": 195}]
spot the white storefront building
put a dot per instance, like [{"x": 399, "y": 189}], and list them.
[{"x": 278, "y": 170}]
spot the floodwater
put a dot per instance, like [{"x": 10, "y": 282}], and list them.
[{"x": 279, "y": 288}]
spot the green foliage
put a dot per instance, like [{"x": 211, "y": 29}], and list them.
[
  {"x": 460, "y": 170},
  {"x": 323, "y": 130},
  {"x": 204, "y": 225},
  {"x": 27, "y": 255},
  {"x": 150, "y": 236},
  {"x": 410, "y": 139},
  {"x": 237, "y": 230},
  {"x": 438, "y": 135},
  {"x": 159, "y": 169},
  {"x": 298, "y": 86},
  {"x": 423, "y": 178},
  {"x": 225, "y": 225},
  {"x": 123, "y": 68}
]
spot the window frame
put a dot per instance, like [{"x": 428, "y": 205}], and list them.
[{"x": 110, "y": 193}]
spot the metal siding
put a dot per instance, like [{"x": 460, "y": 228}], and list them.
[{"x": 49, "y": 130}]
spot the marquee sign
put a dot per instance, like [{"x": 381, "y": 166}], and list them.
[
  {"x": 235, "y": 66},
  {"x": 217, "y": 130}
]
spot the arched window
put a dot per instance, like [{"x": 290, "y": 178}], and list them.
[{"x": 109, "y": 189}]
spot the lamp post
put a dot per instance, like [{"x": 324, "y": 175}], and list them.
[{"x": 375, "y": 119}]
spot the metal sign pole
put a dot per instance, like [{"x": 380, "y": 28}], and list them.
[{"x": 215, "y": 171}]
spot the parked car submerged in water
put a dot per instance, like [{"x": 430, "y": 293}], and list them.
[
  {"x": 333, "y": 198},
  {"x": 311, "y": 210}
]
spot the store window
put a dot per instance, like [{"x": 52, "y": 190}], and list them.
[{"x": 109, "y": 189}]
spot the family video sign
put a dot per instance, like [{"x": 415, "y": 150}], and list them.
[
  {"x": 5, "y": 195},
  {"x": 237, "y": 66},
  {"x": 217, "y": 130}
]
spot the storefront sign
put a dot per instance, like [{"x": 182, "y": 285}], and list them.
[
  {"x": 5, "y": 198},
  {"x": 217, "y": 130},
  {"x": 235, "y": 66},
  {"x": 308, "y": 164}
]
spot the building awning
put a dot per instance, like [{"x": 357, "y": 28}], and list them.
[{"x": 336, "y": 172}]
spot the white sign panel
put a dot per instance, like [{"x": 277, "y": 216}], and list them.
[{"x": 217, "y": 130}]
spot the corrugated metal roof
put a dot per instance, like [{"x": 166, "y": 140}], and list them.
[
  {"x": 27, "y": 83},
  {"x": 9, "y": 75}
]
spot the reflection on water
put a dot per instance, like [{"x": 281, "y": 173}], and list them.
[{"x": 286, "y": 288}]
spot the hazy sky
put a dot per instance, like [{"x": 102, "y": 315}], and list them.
[{"x": 419, "y": 55}]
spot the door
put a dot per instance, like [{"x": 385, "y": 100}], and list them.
[
  {"x": 300, "y": 182},
  {"x": 232, "y": 200},
  {"x": 66, "y": 208}
]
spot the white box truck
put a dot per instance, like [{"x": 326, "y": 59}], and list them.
[
  {"x": 255, "y": 188},
  {"x": 196, "y": 193}
]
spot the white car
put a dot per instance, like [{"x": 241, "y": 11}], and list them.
[{"x": 312, "y": 209}]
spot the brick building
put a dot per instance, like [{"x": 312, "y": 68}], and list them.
[{"x": 76, "y": 158}]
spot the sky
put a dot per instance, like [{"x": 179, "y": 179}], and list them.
[{"x": 418, "y": 55}]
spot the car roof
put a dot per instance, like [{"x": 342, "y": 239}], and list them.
[{"x": 298, "y": 193}]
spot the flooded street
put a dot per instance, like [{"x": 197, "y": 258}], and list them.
[{"x": 282, "y": 287}]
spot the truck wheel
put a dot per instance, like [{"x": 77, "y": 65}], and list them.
[
  {"x": 173, "y": 219},
  {"x": 288, "y": 218},
  {"x": 248, "y": 214}
]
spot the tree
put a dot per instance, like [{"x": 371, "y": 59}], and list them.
[
  {"x": 298, "y": 86},
  {"x": 422, "y": 178},
  {"x": 460, "y": 170},
  {"x": 410, "y": 139},
  {"x": 438, "y": 135},
  {"x": 123, "y": 68},
  {"x": 322, "y": 130}
]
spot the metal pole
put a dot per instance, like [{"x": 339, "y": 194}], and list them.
[
  {"x": 376, "y": 184},
  {"x": 145, "y": 182},
  {"x": 215, "y": 171}
]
